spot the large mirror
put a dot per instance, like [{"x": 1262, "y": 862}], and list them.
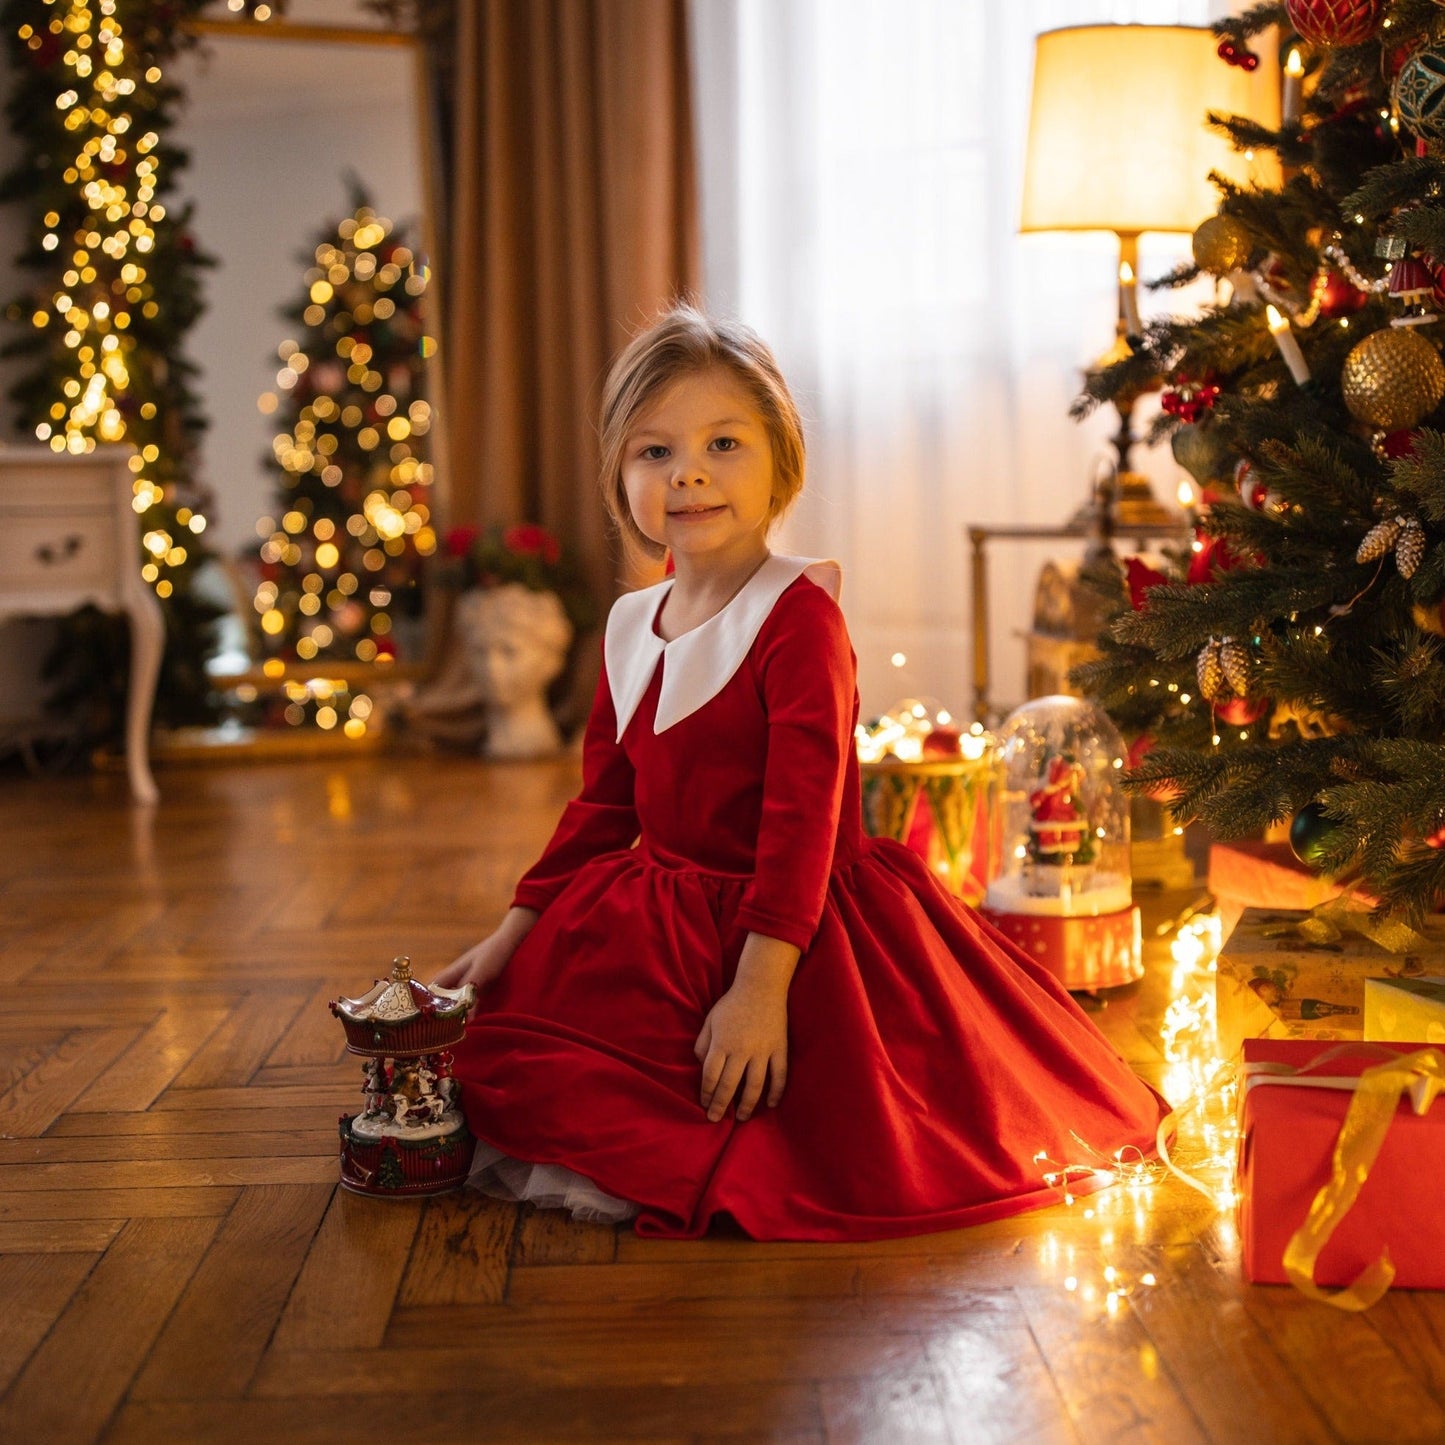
[{"x": 278, "y": 120}]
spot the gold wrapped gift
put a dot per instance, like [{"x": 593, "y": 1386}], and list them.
[
  {"x": 1405, "y": 1010},
  {"x": 1286, "y": 974}
]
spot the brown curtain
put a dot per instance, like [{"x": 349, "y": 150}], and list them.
[{"x": 572, "y": 219}]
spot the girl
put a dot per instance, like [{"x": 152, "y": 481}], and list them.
[{"x": 714, "y": 997}]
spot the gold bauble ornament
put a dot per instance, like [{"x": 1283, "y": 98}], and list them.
[
  {"x": 1221, "y": 245},
  {"x": 1392, "y": 379}
]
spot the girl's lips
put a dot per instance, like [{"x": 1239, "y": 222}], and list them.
[{"x": 701, "y": 512}]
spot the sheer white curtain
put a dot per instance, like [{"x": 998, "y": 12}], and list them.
[{"x": 861, "y": 167}]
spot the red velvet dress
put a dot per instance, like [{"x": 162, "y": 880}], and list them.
[{"x": 929, "y": 1060}]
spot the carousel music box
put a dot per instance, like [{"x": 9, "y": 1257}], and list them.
[
  {"x": 410, "y": 1138},
  {"x": 1060, "y": 887}
]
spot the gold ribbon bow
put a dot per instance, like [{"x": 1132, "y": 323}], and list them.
[
  {"x": 1328, "y": 922},
  {"x": 1367, "y": 1120}
]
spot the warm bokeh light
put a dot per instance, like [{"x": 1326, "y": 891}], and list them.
[
  {"x": 349, "y": 423},
  {"x": 1117, "y": 1195},
  {"x": 115, "y": 170}
]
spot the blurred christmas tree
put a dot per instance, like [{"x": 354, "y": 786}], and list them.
[
  {"x": 1292, "y": 666},
  {"x": 116, "y": 287},
  {"x": 341, "y": 560}
]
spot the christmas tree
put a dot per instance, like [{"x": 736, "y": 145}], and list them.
[
  {"x": 1290, "y": 667},
  {"x": 115, "y": 288},
  {"x": 341, "y": 559}
]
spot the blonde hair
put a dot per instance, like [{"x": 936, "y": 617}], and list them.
[{"x": 679, "y": 343}]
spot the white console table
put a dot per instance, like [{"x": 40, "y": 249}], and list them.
[{"x": 68, "y": 537}]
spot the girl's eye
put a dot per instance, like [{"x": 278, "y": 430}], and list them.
[
  {"x": 726, "y": 444},
  {"x": 655, "y": 453}
]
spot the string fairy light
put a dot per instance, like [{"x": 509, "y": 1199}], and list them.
[
  {"x": 106, "y": 287},
  {"x": 1202, "y": 1088}
]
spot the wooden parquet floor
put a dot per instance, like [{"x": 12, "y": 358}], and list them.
[{"x": 177, "y": 1263}]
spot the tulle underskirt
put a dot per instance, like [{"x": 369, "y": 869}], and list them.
[{"x": 548, "y": 1186}]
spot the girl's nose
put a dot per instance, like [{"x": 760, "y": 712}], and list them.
[{"x": 688, "y": 477}]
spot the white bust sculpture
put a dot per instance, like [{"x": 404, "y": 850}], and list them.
[{"x": 516, "y": 642}]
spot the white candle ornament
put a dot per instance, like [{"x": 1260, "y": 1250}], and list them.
[
  {"x": 1293, "y": 77},
  {"x": 1129, "y": 296},
  {"x": 1294, "y": 358}
]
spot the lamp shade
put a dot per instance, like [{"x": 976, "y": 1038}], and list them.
[{"x": 1117, "y": 134}]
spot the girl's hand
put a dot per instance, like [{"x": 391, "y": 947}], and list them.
[
  {"x": 744, "y": 1040},
  {"x": 484, "y": 961}
]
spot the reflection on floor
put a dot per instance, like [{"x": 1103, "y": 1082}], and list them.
[{"x": 177, "y": 1262}]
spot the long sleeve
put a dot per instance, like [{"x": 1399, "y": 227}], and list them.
[
  {"x": 806, "y": 673},
  {"x": 600, "y": 819}
]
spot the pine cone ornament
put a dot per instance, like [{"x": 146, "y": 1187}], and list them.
[
  {"x": 1410, "y": 549},
  {"x": 1210, "y": 671},
  {"x": 1234, "y": 663},
  {"x": 1378, "y": 540}
]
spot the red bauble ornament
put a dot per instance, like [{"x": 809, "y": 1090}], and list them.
[
  {"x": 1399, "y": 444},
  {"x": 1339, "y": 296},
  {"x": 1437, "y": 838},
  {"x": 1253, "y": 493},
  {"x": 1240, "y": 55},
  {"x": 1335, "y": 22},
  {"x": 1240, "y": 712}
]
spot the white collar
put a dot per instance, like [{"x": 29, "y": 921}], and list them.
[{"x": 701, "y": 662}]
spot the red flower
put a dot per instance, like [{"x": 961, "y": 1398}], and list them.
[
  {"x": 529, "y": 539},
  {"x": 1211, "y": 557},
  {"x": 1141, "y": 578},
  {"x": 459, "y": 540},
  {"x": 1140, "y": 749}
]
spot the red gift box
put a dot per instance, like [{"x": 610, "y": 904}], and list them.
[
  {"x": 1250, "y": 874},
  {"x": 1287, "y": 1137}
]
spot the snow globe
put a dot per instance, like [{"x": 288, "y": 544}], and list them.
[
  {"x": 410, "y": 1137},
  {"x": 1059, "y": 883}
]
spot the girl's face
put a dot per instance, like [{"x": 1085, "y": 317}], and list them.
[{"x": 698, "y": 471}]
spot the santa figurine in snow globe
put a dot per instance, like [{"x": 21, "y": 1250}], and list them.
[
  {"x": 1059, "y": 879},
  {"x": 1060, "y": 845},
  {"x": 410, "y": 1137}
]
